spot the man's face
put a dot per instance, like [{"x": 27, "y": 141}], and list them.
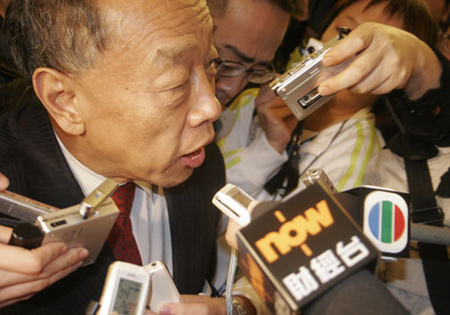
[
  {"x": 148, "y": 106},
  {"x": 249, "y": 32}
]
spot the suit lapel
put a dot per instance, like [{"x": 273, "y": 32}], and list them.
[{"x": 193, "y": 223}]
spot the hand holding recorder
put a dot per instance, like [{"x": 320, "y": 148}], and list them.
[
  {"x": 275, "y": 117},
  {"x": 133, "y": 289},
  {"x": 387, "y": 58},
  {"x": 25, "y": 272},
  {"x": 87, "y": 224}
]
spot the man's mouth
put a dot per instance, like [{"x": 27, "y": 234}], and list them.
[{"x": 194, "y": 159}]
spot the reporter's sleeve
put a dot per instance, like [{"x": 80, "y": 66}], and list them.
[
  {"x": 427, "y": 119},
  {"x": 250, "y": 167}
]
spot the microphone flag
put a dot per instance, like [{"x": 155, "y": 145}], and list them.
[
  {"x": 384, "y": 217},
  {"x": 294, "y": 252}
]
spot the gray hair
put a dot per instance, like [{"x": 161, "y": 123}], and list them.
[{"x": 65, "y": 35}]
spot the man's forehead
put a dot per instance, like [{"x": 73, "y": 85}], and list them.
[{"x": 153, "y": 13}]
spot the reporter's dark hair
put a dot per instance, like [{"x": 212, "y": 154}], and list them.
[
  {"x": 415, "y": 14},
  {"x": 66, "y": 35}
]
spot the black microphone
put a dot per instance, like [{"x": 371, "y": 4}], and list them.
[
  {"x": 360, "y": 293},
  {"x": 299, "y": 249}
]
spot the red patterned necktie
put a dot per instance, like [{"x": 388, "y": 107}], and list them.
[{"x": 121, "y": 239}]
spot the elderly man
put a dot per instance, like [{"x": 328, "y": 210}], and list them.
[{"x": 126, "y": 91}]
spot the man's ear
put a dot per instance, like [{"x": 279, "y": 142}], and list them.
[{"x": 57, "y": 92}]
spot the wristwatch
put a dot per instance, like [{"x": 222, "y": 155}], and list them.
[{"x": 238, "y": 309}]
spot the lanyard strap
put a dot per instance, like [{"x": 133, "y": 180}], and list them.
[{"x": 436, "y": 265}]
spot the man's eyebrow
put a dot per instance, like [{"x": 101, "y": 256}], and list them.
[
  {"x": 174, "y": 53},
  {"x": 243, "y": 56}
]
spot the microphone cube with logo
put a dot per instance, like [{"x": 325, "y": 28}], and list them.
[
  {"x": 384, "y": 216},
  {"x": 294, "y": 252}
]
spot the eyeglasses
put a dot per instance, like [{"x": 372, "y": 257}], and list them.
[
  {"x": 260, "y": 75},
  {"x": 444, "y": 42}
]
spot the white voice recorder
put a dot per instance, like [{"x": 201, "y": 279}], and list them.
[
  {"x": 131, "y": 289},
  {"x": 234, "y": 202},
  {"x": 162, "y": 289},
  {"x": 126, "y": 289}
]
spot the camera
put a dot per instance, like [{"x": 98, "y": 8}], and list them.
[
  {"x": 68, "y": 226},
  {"x": 21, "y": 208},
  {"x": 87, "y": 224},
  {"x": 298, "y": 87}
]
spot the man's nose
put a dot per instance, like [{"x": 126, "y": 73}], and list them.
[{"x": 206, "y": 107}]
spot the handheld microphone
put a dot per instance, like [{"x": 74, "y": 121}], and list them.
[
  {"x": 360, "y": 293},
  {"x": 300, "y": 248}
]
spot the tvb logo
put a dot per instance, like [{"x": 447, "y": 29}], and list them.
[{"x": 386, "y": 221}]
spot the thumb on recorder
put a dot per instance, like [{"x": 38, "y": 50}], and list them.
[{"x": 4, "y": 182}]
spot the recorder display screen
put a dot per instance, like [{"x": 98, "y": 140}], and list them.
[
  {"x": 127, "y": 297},
  {"x": 242, "y": 199}
]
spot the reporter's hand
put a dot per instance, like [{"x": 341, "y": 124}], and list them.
[
  {"x": 24, "y": 272},
  {"x": 388, "y": 59},
  {"x": 231, "y": 233},
  {"x": 276, "y": 118},
  {"x": 195, "y": 305},
  {"x": 4, "y": 182}
]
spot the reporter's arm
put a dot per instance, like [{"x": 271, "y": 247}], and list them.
[
  {"x": 276, "y": 118},
  {"x": 388, "y": 59},
  {"x": 203, "y": 305},
  {"x": 24, "y": 272}
]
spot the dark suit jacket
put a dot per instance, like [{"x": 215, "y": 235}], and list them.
[{"x": 31, "y": 158}]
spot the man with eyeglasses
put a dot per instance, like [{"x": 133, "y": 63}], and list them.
[{"x": 247, "y": 35}]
